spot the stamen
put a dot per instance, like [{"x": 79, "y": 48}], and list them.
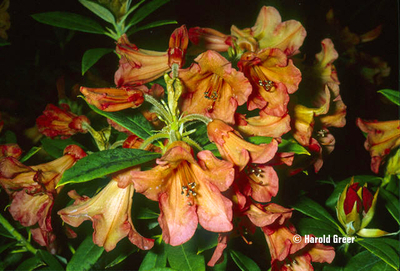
[
  {"x": 263, "y": 81},
  {"x": 322, "y": 133}
]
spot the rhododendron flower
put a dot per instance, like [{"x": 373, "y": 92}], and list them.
[
  {"x": 260, "y": 182},
  {"x": 189, "y": 192},
  {"x": 138, "y": 66},
  {"x": 234, "y": 148},
  {"x": 288, "y": 255},
  {"x": 273, "y": 78},
  {"x": 263, "y": 125},
  {"x": 32, "y": 190},
  {"x": 271, "y": 32},
  {"x": 213, "y": 88},
  {"x": 381, "y": 139},
  {"x": 210, "y": 39},
  {"x": 264, "y": 215},
  {"x": 110, "y": 213},
  {"x": 11, "y": 149},
  {"x": 62, "y": 122},
  {"x": 114, "y": 99}
]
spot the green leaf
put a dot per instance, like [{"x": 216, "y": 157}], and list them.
[
  {"x": 363, "y": 261},
  {"x": 55, "y": 147},
  {"x": 99, "y": 10},
  {"x": 155, "y": 258},
  {"x": 7, "y": 246},
  {"x": 184, "y": 257},
  {"x": 91, "y": 56},
  {"x": 213, "y": 148},
  {"x": 30, "y": 153},
  {"x": 151, "y": 25},
  {"x": 314, "y": 210},
  {"x": 244, "y": 262},
  {"x": 146, "y": 213},
  {"x": 130, "y": 10},
  {"x": 362, "y": 179},
  {"x": 206, "y": 240},
  {"x": 392, "y": 95},
  {"x": 146, "y": 10},
  {"x": 384, "y": 248},
  {"x": 259, "y": 140},
  {"x": 381, "y": 266},
  {"x": 287, "y": 145},
  {"x": 10, "y": 259},
  {"x": 131, "y": 120},
  {"x": 319, "y": 228},
  {"x": 99, "y": 164},
  {"x": 70, "y": 21},
  {"x": 30, "y": 264},
  {"x": 121, "y": 257},
  {"x": 391, "y": 204},
  {"x": 85, "y": 256},
  {"x": 49, "y": 259}
]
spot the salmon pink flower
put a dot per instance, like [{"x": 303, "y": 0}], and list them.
[
  {"x": 138, "y": 66},
  {"x": 288, "y": 255},
  {"x": 382, "y": 137},
  {"x": 210, "y": 39},
  {"x": 270, "y": 32},
  {"x": 189, "y": 192},
  {"x": 114, "y": 99},
  {"x": 263, "y": 125},
  {"x": 32, "y": 190},
  {"x": 213, "y": 88},
  {"x": 273, "y": 78},
  {"x": 234, "y": 148},
  {"x": 110, "y": 213},
  {"x": 62, "y": 122}
]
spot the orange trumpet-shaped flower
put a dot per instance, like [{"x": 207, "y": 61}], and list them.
[
  {"x": 210, "y": 39},
  {"x": 189, "y": 192},
  {"x": 263, "y": 125},
  {"x": 138, "y": 66},
  {"x": 382, "y": 137},
  {"x": 32, "y": 190},
  {"x": 110, "y": 212},
  {"x": 273, "y": 78},
  {"x": 234, "y": 148},
  {"x": 270, "y": 32},
  {"x": 114, "y": 99},
  {"x": 213, "y": 88},
  {"x": 62, "y": 122}
]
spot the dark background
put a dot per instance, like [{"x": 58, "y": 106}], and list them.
[{"x": 39, "y": 54}]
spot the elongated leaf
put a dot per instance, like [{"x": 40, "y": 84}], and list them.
[
  {"x": 145, "y": 10},
  {"x": 150, "y": 25},
  {"x": 206, "y": 240},
  {"x": 30, "y": 264},
  {"x": 30, "y": 153},
  {"x": 392, "y": 95},
  {"x": 85, "y": 256},
  {"x": 391, "y": 204},
  {"x": 55, "y": 147},
  {"x": 131, "y": 120},
  {"x": 6, "y": 246},
  {"x": 314, "y": 210},
  {"x": 319, "y": 228},
  {"x": 99, "y": 10},
  {"x": 99, "y": 164},
  {"x": 244, "y": 262},
  {"x": 10, "y": 260},
  {"x": 49, "y": 259},
  {"x": 384, "y": 248},
  {"x": 121, "y": 257},
  {"x": 259, "y": 140},
  {"x": 70, "y": 21},
  {"x": 3, "y": 42},
  {"x": 155, "y": 258},
  {"x": 130, "y": 10},
  {"x": 91, "y": 56},
  {"x": 8, "y": 137},
  {"x": 146, "y": 213},
  {"x": 184, "y": 257},
  {"x": 363, "y": 261},
  {"x": 382, "y": 266}
]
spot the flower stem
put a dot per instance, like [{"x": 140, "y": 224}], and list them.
[
  {"x": 158, "y": 108},
  {"x": 195, "y": 117},
  {"x": 153, "y": 138},
  {"x": 17, "y": 236}
]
